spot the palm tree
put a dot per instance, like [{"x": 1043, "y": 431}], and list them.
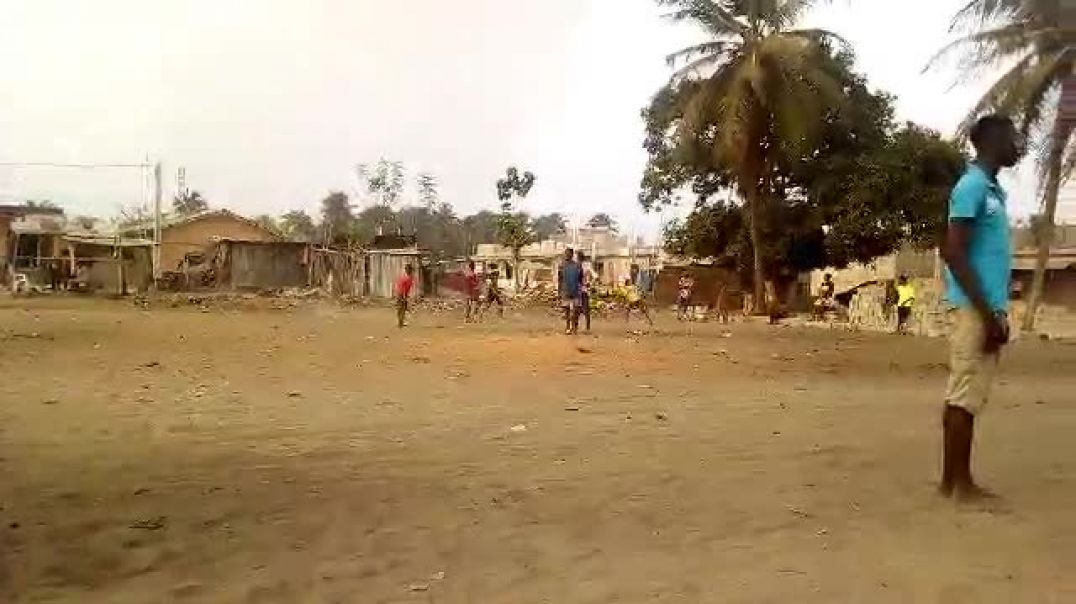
[
  {"x": 1039, "y": 50},
  {"x": 761, "y": 80}
]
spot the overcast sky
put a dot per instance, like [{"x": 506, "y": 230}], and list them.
[{"x": 270, "y": 104}]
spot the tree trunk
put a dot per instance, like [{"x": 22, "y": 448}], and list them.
[
  {"x": 515, "y": 269},
  {"x": 755, "y": 228},
  {"x": 1045, "y": 235}
]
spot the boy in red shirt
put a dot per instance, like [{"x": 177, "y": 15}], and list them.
[{"x": 403, "y": 292}]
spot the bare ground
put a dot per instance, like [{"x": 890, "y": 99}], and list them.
[{"x": 320, "y": 455}]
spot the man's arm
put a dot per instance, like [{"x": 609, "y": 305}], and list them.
[{"x": 955, "y": 254}]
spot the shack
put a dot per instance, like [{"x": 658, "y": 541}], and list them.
[
  {"x": 383, "y": 267},
  {"x": 241, "y": 264},
  {"x": 109, "y": 263}
]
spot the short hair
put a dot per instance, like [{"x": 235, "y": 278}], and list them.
[
  {"x": 987, "y": 126},
  {"x": 408, "y": 268}
]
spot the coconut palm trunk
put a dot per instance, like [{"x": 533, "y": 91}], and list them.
[{"x": 1044, "y": 236}]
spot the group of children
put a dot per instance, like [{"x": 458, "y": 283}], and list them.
[{"x": 576, "y": 283}]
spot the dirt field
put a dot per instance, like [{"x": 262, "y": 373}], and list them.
[{"x": 320, "y": 455}]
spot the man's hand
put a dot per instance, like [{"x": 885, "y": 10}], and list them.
[{"x": 996, "y": 333}]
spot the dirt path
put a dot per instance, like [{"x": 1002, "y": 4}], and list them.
[{"x": 319, "y": 455}]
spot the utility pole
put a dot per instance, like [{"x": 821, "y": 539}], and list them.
[{"x": 156, "y": 222}]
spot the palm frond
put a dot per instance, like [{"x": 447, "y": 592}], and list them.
[
  {"x": 818, "y": 35},
  {"x": 711, "y": 15},
  {"x": 977, "y": 12},
  {"x": 1027, "y": 82},
  {"x": 986, "y": 48},
  {"x": 689, "y": 54},
  {"x": 696, "y": 68}
]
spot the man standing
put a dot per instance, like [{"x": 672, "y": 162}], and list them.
[
  {"x": 471, "y": 290},
  {"x": 685, "y": 287},
  {"x": 978, "y": 259},
  {"x": 402, "y": 291},
  {"x": 570, "y": 287},
  {"x": 905, "y": 302},
  {"x": 588, "y": 278}
]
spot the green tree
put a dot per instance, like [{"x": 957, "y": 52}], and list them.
[
  {"x": 269, "y": 223},
  {"x": 188, "y": 203},
  {"x": 480, "y": 227},
  {"x": 759, "y": 78},
  {"x": 514, "y": 229},
  {"x": 549, "y": 225},
  {"x": 603, "y": 220},
  {"x": 384, "y": 180},
  {"x": 864, "y": 187},
  {"x": 1036, "y": 39},
  {"x": 427, "y": 189},
  {"x": 337, "y": 219},
  {"x": 297, "y": 225}
]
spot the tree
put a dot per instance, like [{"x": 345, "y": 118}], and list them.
[
  {"x": 602, "y": 220},
  {"x": 760, "y": 80},
  {"x": 481, "y": 227},
  {"x": 337, "y": 219},
  {"x": 268, "y": 223},
  {"x": 384, "y": 180},
  {"x": 1035, "y": 38},
  {"x": 514, "y": 229},
  {"x": 427, "y": 189},
  {"x": 297, "y": 225},
  {"x": 864, "y": 187},
  {"x": 549, "y": 225},
  {"x": 188, "y": 203}
]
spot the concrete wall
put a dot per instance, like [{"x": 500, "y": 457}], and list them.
[{"x": 198, "y": 234}]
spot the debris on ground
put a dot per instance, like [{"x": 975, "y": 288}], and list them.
[
  {"x": 660, "y": 416},
  {"x": 149, "y": 524},
  {"x": 518, "y": 428}
]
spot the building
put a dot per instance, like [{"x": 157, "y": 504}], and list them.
[
  {"x": 29, "y": 235},
  {"x": 182, "y": 235},
  {"x": 611, "y": 255}
]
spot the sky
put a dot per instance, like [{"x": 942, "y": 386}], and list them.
[{"x": 271, "y": 104}]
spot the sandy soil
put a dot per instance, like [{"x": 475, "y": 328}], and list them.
[{"x": 320, "y": 455}]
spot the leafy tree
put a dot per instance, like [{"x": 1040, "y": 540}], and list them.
[
  {"x": 549, "y": 225},
  {"x": 514, "y": 229},
  {"x": 384, "y": 180},
  {"x": 268, "y": 222},
  {"x": 427, "y": 189},
  {"x": 374, "y": 220},
  {"x": 603, "y": 220},
  {"x": 337, "y": 219},
  {"x": 481, "y": 227},
  {"x": 297, "y": 225},
  {"x": 188, "y": 203},
  {"x": 759, "y": 78},
  {"x": 1036, "y": 39},
  {"x": 863, "y": 187},
  {"x": 40, "y": 204}
]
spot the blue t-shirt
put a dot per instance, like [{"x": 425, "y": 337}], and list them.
[
  {"x": 978, "y": 197},
  {"x": 571, "y": 279}
]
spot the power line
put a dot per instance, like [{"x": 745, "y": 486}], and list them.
[{"x": 16, "y": 164}]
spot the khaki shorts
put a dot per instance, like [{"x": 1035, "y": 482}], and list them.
[{"x": 971, "y": 371}]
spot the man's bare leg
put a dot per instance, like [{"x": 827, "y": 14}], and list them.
[{"x": 958, "y": 427}]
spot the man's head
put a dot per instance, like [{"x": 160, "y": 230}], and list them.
[
  {"x": 996, "y": 141},
  {"x": 580, "y": 256},
  {"x": 409, "y": 269},
  {"x": 903, "y": 279},
  {"x": 827, "y": 277},
  {"x": 569, "y": 254},
  {"x": 470, "y": 265}
]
